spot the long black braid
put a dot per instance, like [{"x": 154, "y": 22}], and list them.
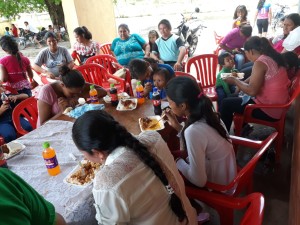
[{"x": 98, "y": 130}]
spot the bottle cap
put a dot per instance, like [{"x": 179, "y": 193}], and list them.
[
  {"x": 112, "y": 85},
  {"x": 92, "y": 86},
  {"x": 138, "y": 82},
  {"x": 46, "y": 145},
  {"x": 155, "y": 89}
]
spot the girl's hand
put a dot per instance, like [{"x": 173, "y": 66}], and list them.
[
  {"x": 148, "y": 87},
  {"x": 4, "y": 107},
  {"x": 171, "y": 118},
  {"x": 13, "y": 98},
  {"x": 62, "y": 103}
]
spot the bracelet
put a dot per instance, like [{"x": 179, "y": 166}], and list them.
[{"x": 169, "y": 189}]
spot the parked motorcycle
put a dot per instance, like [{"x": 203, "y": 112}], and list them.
[
  {"x": 189, "y": 30},
  {"x": 27, "y": 39},
  {"x": 278, "y": 16}
]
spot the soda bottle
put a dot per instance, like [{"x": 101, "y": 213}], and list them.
[
  {"x": 93, "y": 95},
  {"x": 140, "y": 93},
  {"x": 4, "y": 98},
  {"x": 113, "y": 95},
  {"x": 156, "y": 101},
  {"x": 51, "y": 162}
]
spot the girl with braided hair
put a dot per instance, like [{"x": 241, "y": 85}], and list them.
[
  {"x": 14, "y": 67},
  {"x": 204, "y": 138},
  {"x": 268, "y": 83},
  {"x": 139, "y": 182}
]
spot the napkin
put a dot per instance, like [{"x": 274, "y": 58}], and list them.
[{"x": 80, "y": 110}]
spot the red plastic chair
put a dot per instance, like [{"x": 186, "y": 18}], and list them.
[
  {"x": 111, "y": 64},
  {"x": 224, "y": 205},
  {"x": 204, "y": 68},
  {"x": 179, "y": 73},
  {"x": 246, "y": 117},
  {"x": 43, "y": 78},
  {"x": 27, "y": 109},
  {"x": 105, "y": 49},
  {"x": 218, "y": 38},
  {"x": 97, "y": 74},
  {"x": 76, "y": 58},
  {"x": 244, "y": 178}
]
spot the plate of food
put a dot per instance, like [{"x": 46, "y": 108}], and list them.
[
  {"x": 233, "y": 74},
  {"x": 127, "y": 104},
  {"x": 123, "y": 95},
  {"x": 151, "y": 123},
  {"x": 12, "y": 148},
  {"x": 84, "y": 175}
]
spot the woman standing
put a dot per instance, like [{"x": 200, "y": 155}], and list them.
[
  {"x": 85, "y": 46},
  {"x": 129, "y": 46},
  {"x": 52, "y": 58},
  {"x": 139, "y": 182},
  {"x": 263, "y": 16}
]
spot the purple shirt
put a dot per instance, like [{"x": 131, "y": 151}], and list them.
[{"x": 233, "y": 39}]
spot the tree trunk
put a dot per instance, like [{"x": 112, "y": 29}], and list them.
[{"x": 56, "y": 13}]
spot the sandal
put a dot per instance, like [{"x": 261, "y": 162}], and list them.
[{"x": 203, "y": 217}]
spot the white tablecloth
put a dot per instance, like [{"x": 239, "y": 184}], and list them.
[{"x": 75, "y": 204}]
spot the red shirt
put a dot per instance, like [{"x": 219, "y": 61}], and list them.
[{"x": 14, "y": 31}]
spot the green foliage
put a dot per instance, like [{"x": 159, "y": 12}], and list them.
[{"x": 11, "y": 8}]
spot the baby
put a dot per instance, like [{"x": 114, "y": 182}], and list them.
[{"x": 160, "y": 79}]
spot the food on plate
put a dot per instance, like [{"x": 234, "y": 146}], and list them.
[
  {"x": 5, "y": 149},
  {"x": 123, "y": 95},
  {"x": 128, "y": 103},
  {"x": 11, "y": 148},
  {"x": 150, "y": 123},
  {"x": 84, "y": 174},
  {"x": 234, "y": 74}
]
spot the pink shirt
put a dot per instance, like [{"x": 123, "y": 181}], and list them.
[
  {"x": 48, "y": 95},
  {"x": 234, "y": 39},
  {"x": 276, "y": 87},
  {"x": 17, "y": 77}
]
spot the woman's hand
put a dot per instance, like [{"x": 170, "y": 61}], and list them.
[
  {"x": 62, "y": 103},
  {"x": 49, "y": 75},
  {"x": 73, "y": 102},
  {"x": 13, "y": 98},
  {"x": 177, "y": 66},
  {"x": 4, "y": 107},
  {"x": 171, "y": 118},
  {"x": 230, "y": 80}
]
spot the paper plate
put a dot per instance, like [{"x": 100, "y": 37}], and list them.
[
  {"x": 154, "y": 119},
  {"x": 18, "y": 147},
  {"x": 239, "y": 75},
  {"x": 124, "y": 106}
]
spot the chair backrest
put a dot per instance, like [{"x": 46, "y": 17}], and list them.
[
  {"x": 27, "y": 109},
  {"x": 105, "y": 49},
  {"x": 76, "y": 58},
  {"x": 218, "y": 38},
  {"x": 245, "y": 175},
  {"x": 204, "y": 67},
  {"x": 104, "y": 60},
  {"x": 93, "y": 73}
]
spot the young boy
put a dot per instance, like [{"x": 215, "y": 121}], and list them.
[{"x": 224, "y": 89}]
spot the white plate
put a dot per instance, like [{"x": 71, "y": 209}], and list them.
[
  {"x": 65, "y": 180},
  {"x": 20, "y": 147},
  {"x": 123, "y": 95},
  {"x": 161, "y": 123},
  {"x": 239, "y": 75},
  {"x": 132, "y": 106},
  {"x": 107, "y": 99}
]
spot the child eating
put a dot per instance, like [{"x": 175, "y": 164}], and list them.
[{"x": 160, "y": 78}]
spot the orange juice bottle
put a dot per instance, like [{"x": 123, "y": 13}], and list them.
[
  {"x": 94, "y": 95},
  {"x": 140, "y": 93},
  {"x": 51, "y": 162}
]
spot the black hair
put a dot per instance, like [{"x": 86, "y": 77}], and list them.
[
  {"x": 295, "y": 17},
  {"x": 246, "y": 30},
  {"x": 50, "y": 34},
  {"x": 222, "y": 56},
  {"x": 83, "y": 32},
  {"x": 7, "y": 28},
  {"x": 137, "y": 68},
  {"x": 163, "y": 72},
  {"x": 71, "y": 78},
  {"x": 125, "y": 26},
  {"x": 9, "y": 45},
  {"x": 240, "y": 8},
  {"x": 166, "y": 23},
  {"x": 292, "y": 63},
  {"x": 197, "y": 10},
  {"x": 88, "y": 134},
  {"x": 186, "y": 90},
  {"x": 260, "y": 4},
  {"x": 153, "y": 32},
  {"x": 262, "y": 45},
  {"x": 43, "y": 29}
]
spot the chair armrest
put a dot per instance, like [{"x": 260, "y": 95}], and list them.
[
  {"x": 236, "y": 140},
  {"x": 249, "y": 108},
  {"x": 120, "y": 80}
]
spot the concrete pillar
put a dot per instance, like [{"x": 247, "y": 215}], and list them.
[{"x": 97, "y": 15}]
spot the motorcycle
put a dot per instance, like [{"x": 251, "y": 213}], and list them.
[
  {"x": 278, "y": 16},
  {"x": 189, "y": 30},
  {"x": 26, "y": 39}
]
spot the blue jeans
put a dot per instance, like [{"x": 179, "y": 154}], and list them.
[
  {"x": 8, "y": 132},
  {"x": 221, "y": 95},
  {"x": 239, "y": 60}
]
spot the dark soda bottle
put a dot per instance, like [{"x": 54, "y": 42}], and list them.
[
  {"x": 156, "y": 100},
  {"x": 113, "y": 95}
]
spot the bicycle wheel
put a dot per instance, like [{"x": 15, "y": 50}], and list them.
[{"x": 22, "y": 44}]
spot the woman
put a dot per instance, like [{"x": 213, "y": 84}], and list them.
[
  {"x": 292, "y": 41},
  {"x": 54, "y": 98},
  {"x": 268, "y": 83},
  {"x": 14, "y": 67},
  {"x": 234, "y": 41},
  {"x": 52, "y": 58},
  {"x": 263, "y": 17},
  {"x": 138, "y": 183},
  {"x": 210, "y": 153},
  {"x": 84, "y": 45},
  {"x": 128, "y": 46},
  {"x": 169, "y": 47},
  {"x": 14, "y": 30}
]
